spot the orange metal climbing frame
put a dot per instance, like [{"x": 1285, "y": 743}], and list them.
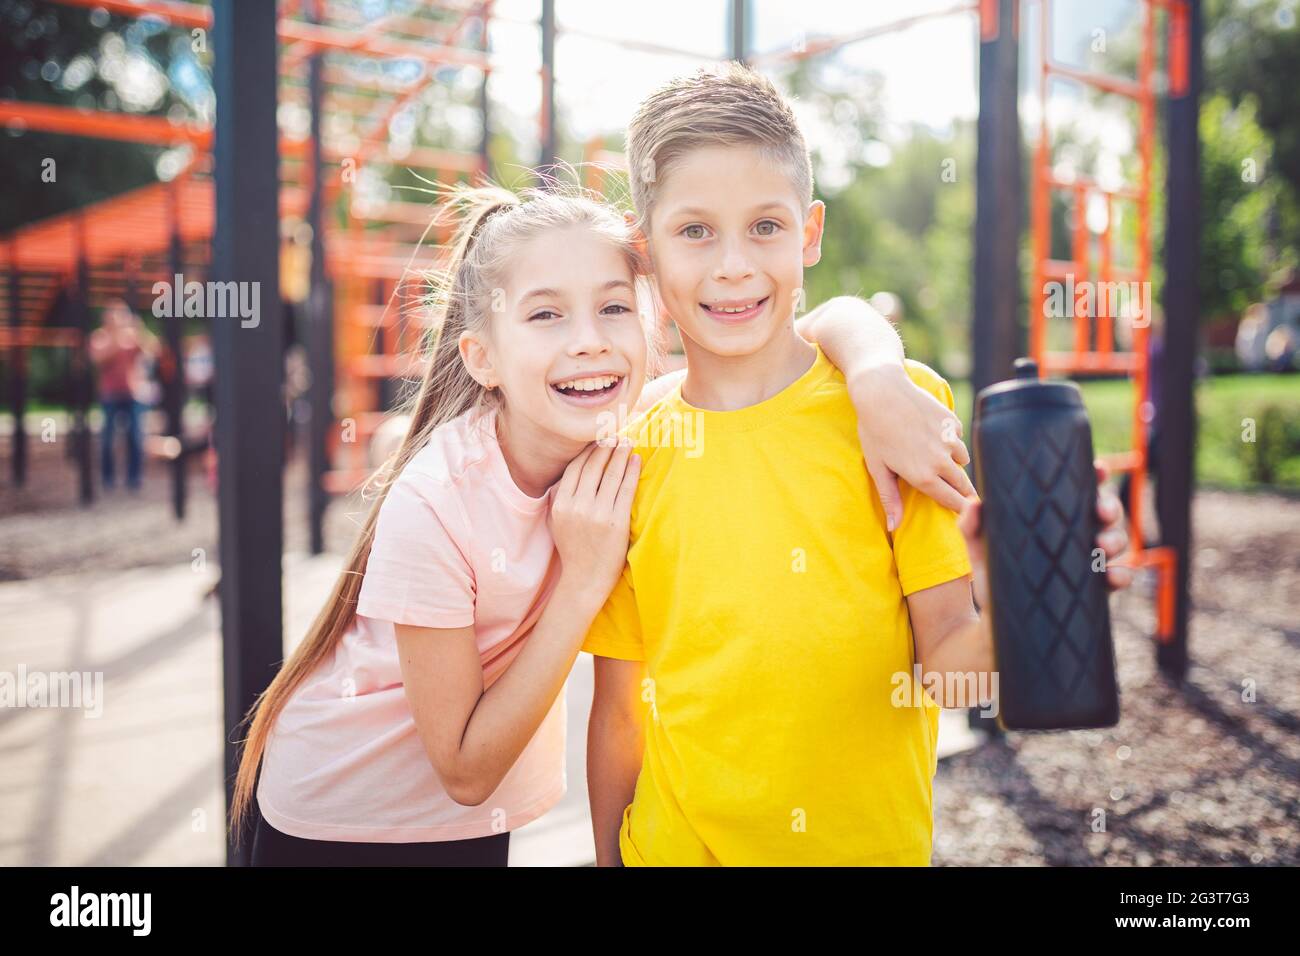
[{"x": 1093, "y": 342}]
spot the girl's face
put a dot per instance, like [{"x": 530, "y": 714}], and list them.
[{"x": 564, "y": 342}]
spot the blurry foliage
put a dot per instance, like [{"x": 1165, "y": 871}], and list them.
[
  {"x": 899, "y": 216},
  {"x": 71, "y": 56},
  {"x": 1238, "y": 257},
  {"x": 1277, "y": 439}
]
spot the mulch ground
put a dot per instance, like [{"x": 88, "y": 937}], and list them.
[{"x": 1203, "y": 772}]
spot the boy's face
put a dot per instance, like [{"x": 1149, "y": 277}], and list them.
[{"x": 729, "y": 239}]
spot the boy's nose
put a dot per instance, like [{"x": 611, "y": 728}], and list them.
[{"x": 734, "y": 264}]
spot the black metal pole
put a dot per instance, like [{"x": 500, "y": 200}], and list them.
[
  {"x": 484, "y": 105},
  {"x": 996, "y": 338},
  {"x": 249, "y": 356},
  {"x": 83, "y": 376},
  {"x": 1176, "y": 467},
  {"x": 175, "y": 391},
  {"x": 17, "y": 374},
  {"x": 739, "y": 37},
  {"x": 548, "y": 156},
  {"x": 319, "y": 332},
  {"x": 995, "y": 331}
]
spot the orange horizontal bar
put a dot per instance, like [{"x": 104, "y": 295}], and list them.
[
  {"x": 1123, "y": 192},
  {"x": 156, "y": 130},
  {"x": 1063, "y": 268},
  {"x": 1150, "y": 557},
  {"x": 345, "y": 481},
  {"x": 1107, "y": 83},
  {"x": 1072, "y": 362},
  {"x": 330, "y": 38},
  {"x": 386, "y": 366},
  {"x": 313, "y": 35},
  {"x": 179, "y": 14},
  {"x": 1121, "y": 461},
  {"x": 37, "y": 337}
]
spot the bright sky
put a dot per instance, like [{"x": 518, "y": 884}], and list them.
[{"x": 929, "y": 70}]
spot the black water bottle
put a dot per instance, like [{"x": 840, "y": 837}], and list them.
[{"x": 1047, "y": 587}]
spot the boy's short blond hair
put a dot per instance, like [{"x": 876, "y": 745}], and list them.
[{"x": 728, "y": 105}]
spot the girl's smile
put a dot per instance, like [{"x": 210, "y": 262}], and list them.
[{"x": 591, "y": 389}]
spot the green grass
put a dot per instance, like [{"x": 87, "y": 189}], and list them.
[{"x": 1225, "y": 406}]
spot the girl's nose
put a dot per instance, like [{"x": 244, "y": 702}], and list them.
[{"x": 589, "y": 337}]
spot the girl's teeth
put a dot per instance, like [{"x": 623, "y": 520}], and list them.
[
  {"x": 589, "y": 384},
  {"x": 735, "y": 308}
]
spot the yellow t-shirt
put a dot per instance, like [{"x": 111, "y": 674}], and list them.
[{"x": 766, "y": 598}]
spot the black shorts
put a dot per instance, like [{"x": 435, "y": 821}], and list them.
[{"x": 273, "y": 848}]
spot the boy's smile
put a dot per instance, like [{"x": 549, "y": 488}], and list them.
[{"x": 734, "y": 311}]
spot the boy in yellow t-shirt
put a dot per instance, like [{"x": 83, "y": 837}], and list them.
[{"x": 754, "y": 664}]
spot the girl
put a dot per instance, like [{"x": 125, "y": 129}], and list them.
[{"x": 415, "y": 697}]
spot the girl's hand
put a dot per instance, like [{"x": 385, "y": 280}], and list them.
[
  {"x": 908, "y": 433},
  {"x": 1112, "y": 539},
  {"x": 590, "y": 515}
]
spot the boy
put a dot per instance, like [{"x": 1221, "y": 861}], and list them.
[{"x": 747, "y": 661}]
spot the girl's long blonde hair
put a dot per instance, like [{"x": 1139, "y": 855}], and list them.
[{"x": 492, "y": 222}]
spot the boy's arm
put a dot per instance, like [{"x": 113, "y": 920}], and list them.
[
  {"x": 615, "y": 740},
  {"x": 905, "y": 431}
]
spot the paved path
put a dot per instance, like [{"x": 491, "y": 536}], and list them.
[{"x": 141, "y": 782}]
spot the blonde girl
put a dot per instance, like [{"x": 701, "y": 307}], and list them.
[{"x": 421, "y": 720}]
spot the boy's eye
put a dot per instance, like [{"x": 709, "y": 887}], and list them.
[
  {"x": 767, "y": 227},
  {"x": 694, "y": 231}
]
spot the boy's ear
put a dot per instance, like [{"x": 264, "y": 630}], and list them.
[
  {"x": 813, "y": 225},
  {"x": 477, "y": 360},
  {"x": 639, "y": 241}
]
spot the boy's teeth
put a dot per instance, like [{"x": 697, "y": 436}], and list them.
[{"x": 589, "y": 384}]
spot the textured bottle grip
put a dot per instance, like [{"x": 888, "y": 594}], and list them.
[{"x": 1051, "y": 619}]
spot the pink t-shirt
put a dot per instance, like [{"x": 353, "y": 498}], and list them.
[{"x": 457, "y": 543}]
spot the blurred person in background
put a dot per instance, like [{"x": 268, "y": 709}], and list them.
[{"x": 120, "y": 349}]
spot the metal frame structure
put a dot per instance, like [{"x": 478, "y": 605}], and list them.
[
  {"x": 1093, "y": 348},
  {"x": 124, "y": 245}
]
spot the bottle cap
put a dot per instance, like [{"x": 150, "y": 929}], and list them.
[{"x": 1026, "y": 389}]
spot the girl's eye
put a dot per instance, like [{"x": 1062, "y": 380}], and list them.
[
  {"x": 615, "y": 308},
  {"x": 694, "y": 231},
  {"x": 767, "y": 227},
  {"x": 544, "y": 314}
]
